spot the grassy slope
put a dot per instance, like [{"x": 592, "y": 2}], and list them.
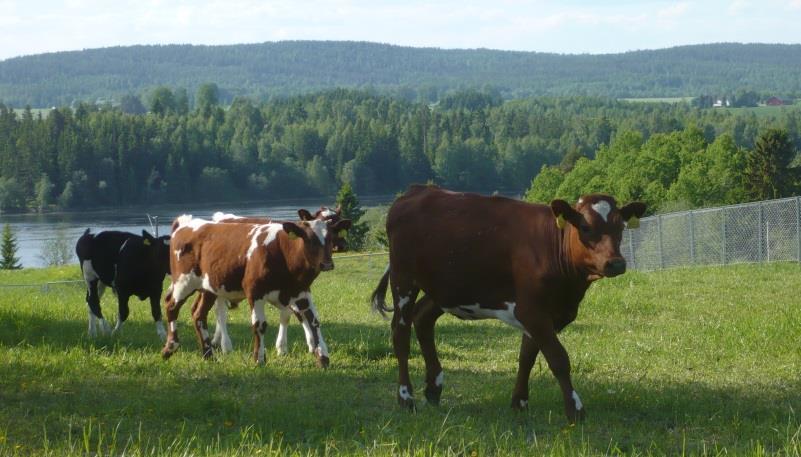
[{"x": 696, "y": 360}]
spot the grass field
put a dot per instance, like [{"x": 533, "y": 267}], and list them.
[{"x": 686, "y": 361}]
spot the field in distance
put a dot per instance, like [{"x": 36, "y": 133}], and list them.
[{"x": 696, "y": 361}]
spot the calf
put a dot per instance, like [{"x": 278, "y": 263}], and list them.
[
  {"x": 264, "y": 263},
  {"x": 129, "y": 264},
  {"x": 221, "y": 337},
  {"x": 482, "y": 257}
]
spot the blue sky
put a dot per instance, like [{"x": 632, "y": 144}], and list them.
[{"x": 572, "y": 26}]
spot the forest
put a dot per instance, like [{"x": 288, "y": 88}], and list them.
[
  {"x": 277, "y": 69},
  {"x": 674, "y": 156}
]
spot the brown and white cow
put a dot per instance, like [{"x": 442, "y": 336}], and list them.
[
  {"x": 264, "y": 263},
  {"x": 221, "y": 336},
  {"x": 480, "y": 257}
]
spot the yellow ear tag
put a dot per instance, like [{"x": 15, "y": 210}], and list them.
[
  {"x": 292, "y": 236},
  {"x": 146, "y": 242},
  {"x": 633, "y": 222},
  {"x": 560, "y": 221}
]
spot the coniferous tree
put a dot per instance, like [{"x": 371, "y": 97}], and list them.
[
  {"x": 348, "y": 202},
  {"x": 767, "y": 167},
  {"x": 8, "y": 249}
]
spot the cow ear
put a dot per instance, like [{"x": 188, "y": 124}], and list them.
[
  {"x": 632, "y": 213},
  {"x": 342, "y": 224},
  {"x": 563, "y": 213},
  {"x": 305, "y": 215},
  {"x": 294, "y": 230}
]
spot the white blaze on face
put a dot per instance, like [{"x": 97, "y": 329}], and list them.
[
  {"x": 320, "y": 229},
  {"x": 603, "y": 208}
]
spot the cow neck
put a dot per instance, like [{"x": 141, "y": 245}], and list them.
[
  {"x": 295, "y": 255},
  {"x": 568, "y": 258}
]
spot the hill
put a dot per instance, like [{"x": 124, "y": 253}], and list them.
[{"x": 290, "y": 67}]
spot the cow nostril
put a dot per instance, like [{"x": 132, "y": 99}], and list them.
[{"x": 615, "y": 267}]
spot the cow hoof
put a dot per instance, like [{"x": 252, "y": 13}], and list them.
[
  {"x": 281, "y": 351},
  {"x": 433, "y": 395},
  {"x": 520, "y": 404},
  {"x": 169, "y": 349},
  {"x": 323, "y": 362},
  {"x": 208, "y": 353},
  {"x": 407, "y": 404}
]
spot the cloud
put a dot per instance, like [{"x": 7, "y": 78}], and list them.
[
  {"x": 673, "y": 11},
  {"x": 737, "y": 7}
]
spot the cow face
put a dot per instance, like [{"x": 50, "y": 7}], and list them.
[
  {"x": 318, "y": 238},
  {"x": 594, "y": 229},
  {"x": 158, "y": 249},
  {"x": 332, "y": 216}
]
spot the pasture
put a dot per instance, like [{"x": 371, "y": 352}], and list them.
[{"x": 685, "y": 361}]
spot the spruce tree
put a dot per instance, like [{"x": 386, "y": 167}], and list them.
[
  {"x": 348, "y": 202},
  {"x": 9, "y": 260}
]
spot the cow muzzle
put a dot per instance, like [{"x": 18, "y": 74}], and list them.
[
  {"x": 615, "y": 267},
  {"x": 327, "y": 266}
]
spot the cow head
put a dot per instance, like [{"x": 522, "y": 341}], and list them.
[
  {"x": 158, "y": 250},
  {"x": 332, "y": 216},
  {"x": 317, "y": 236},
  {"x": 593, "y": 231}
]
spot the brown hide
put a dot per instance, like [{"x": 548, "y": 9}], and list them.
[{"x": 475, "y": 256}]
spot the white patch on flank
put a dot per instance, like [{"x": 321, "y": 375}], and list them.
[
  {"x": 475, "y": 311},
  {"x": 271, "y": 230},
  {"x": 160, "y": 331},
  {"x": 440, "y": 379},
  {"x": 89, "y": 273},
  {"x": 577, "y": 400},
  {"x": 123, "y": 244},
  {"x": 320, "y": 229},
  {"x": 602, "y": 208},
  {"x": 220, "y": 216},
  {"x": 403, "y": 391}
]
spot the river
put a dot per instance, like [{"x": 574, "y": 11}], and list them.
[{"x": 35, "y": 232}]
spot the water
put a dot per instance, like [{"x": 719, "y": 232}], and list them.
[{"x": 35, "y": 231}]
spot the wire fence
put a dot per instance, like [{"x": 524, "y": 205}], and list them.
[{"x": 767, "y": 231}]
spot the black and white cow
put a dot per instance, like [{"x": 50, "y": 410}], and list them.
[{"x": 131, "y": 265}]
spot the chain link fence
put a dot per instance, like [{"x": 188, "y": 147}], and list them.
[{"x": 767, "y": 231}]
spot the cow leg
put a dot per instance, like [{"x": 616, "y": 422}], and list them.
[
  {"x": 304, "y": 306},
  {"x": 404, "y": 300},
  {"x": 155, "y": 311},
  {"x": 283, "y": 324},
  {"x": 124, "y": 311},
  {"x": 94, "y": 290},
  {"x": 542, "y": 330},
  {"x": 200, "y": 315},
  {"x": 426, "y": 314},
  {"x": 528, "y": 354},
  {"x": 181, "y": 290},
  {"x": 221, "y": 338},
  {"x": 259, "y": 323}
]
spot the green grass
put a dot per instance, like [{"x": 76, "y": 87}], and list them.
[{"x": 685, "y": 361}]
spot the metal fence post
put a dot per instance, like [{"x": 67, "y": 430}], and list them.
[
  {"x": 661, "y": 252},
  {"x": 798, "y": 225},
  {"x": 723, "y": 237},
  {"x": 692, "y": 238},
  {"x": 631, "y": 250}
]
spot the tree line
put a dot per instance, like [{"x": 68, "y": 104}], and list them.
[
  {"x": 266, "y": 70},
  {"x": 168, "y": 147}
]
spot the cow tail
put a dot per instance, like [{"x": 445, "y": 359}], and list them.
[{"x": 378, "y": 299}]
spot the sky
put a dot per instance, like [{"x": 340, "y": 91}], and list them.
[{"x": 571, "y": 26}]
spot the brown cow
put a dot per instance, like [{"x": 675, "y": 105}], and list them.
[
  {"x": 480, "y": 257},
  {"x": 263, "y": 263},
  {"x": 221, "y": 337}
]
